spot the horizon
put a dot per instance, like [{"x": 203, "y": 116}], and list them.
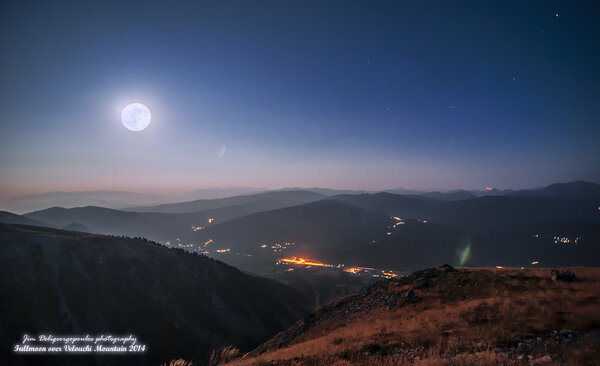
[
  {"x": 211, "y": 193},
  {"x": 255, "y": 189}
]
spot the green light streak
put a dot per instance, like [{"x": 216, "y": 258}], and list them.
[{"x": 464, "y": 255}]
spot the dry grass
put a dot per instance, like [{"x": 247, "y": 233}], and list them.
[
  {"x": 223, "y": 355},
  {"x": 464, "y": 319},
  {"x": 178, "y": 362}
]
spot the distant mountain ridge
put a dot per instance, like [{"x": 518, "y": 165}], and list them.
[
  {"x": 109, "y": 199},
  {"x": 114, "y": 199},
  {"x": 571, "y": 190},
  {"x": 200, "y": 199},
  {"x": 271, "y": 199},
  {"x": 327, "y": 191},
  {"x": 457, "y": 195}
]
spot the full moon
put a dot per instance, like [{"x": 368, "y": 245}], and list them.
[{"x": 136, "y": 116}]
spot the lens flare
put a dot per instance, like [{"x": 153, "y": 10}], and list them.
[
  {"x": 464, "y": 255},
  {"x": 222, "y": 151}
]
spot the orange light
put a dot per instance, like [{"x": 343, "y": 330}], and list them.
[
  {"x": 499, "y": 267},
  {"x": 389, "y": 274},
  {"x": 354, "y": 270},
  {"x": 210, "y": 220},
  {"x": 304, "y": 262},
  {"x": 535, "y": 262}
]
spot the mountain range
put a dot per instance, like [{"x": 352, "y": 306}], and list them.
[
  {"x": 198, "y": 199},
  {"x": 358, "y": 229}
]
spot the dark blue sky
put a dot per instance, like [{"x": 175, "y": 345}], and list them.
[{"x": 373, "y": 95}]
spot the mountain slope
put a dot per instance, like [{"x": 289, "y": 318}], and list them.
[
  {"x": 178, "y": 304},
  {"x": 414, "y": 207},
  {"x": 11, "y": 218},
  {"x": 155, "y": 226},
  {"x": 447, "y": 317},
  {"x": 317, "y": 227}
]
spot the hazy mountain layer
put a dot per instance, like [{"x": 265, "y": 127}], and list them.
[
  {"x": 110, "y": 199},
  {"x": 168, "y": 226},
  {"x": 262, "y": 201},
  {"x": 155, "y": 226}
]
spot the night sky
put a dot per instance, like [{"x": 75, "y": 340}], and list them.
[{"x": 341, "y": 94}]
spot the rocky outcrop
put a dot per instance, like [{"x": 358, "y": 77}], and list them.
[{"x": 566, "y": 276}]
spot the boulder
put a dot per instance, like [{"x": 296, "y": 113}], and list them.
[{"x": 566, "y": 276}]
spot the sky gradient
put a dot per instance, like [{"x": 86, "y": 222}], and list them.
[{"x": 339, "y": 94}]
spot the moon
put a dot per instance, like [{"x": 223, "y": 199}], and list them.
[{"x": 136, "y": 117}]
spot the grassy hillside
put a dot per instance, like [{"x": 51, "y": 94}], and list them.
[{"x": 449, "y": 317}]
